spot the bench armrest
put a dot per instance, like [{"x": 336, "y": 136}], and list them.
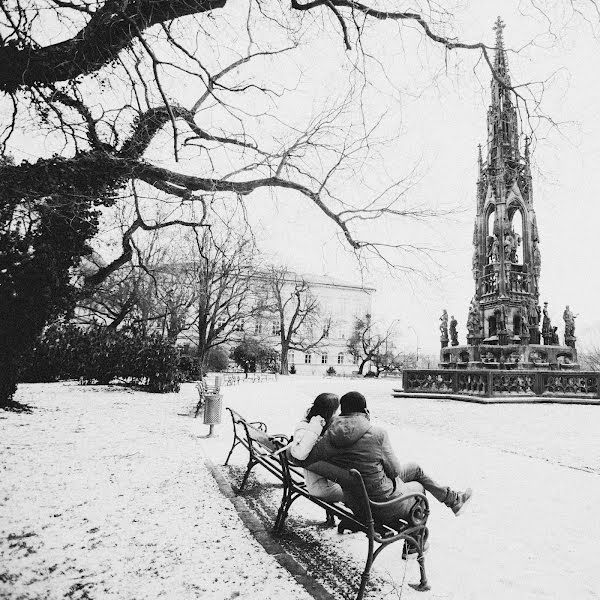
[
  {"x": 416, "y": 515},
  {"x": 259, "y": 425}
]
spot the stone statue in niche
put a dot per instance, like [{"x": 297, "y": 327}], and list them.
[
  {"x": 523, "y": 313},
  {"x": 453, "y": 331},
  {"x": 516, "y": 242},
  {"x": 537, "y": 259},
  {"x": 532, "y": 314},
  {"x": 507, "y": 245},
  {"x": 474, "y": 319},
  {"x": 569, "y": 318},
  {"x": 500, "y": 313},
  {"x": 534, "y": 230}
]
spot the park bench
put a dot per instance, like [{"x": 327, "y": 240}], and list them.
[{"x": 268, "y": 450}]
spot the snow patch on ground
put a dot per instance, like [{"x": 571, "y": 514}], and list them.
[{"x": 105, "y": 494}]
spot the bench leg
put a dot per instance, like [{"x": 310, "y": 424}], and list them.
[
  {"x": 198, "y": 407},
  {"x": 423, "y": 585},
  {"x": 286, "y": 502},
  {"x": 251, "y": 464},
  {"x": 365, "y": 575},
  {"x": 235, "y": 443},
  {"x": 284, "y": 508}
]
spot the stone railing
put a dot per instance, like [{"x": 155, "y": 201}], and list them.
[{"x": 579, "y": 384}]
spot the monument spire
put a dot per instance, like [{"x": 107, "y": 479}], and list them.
[{"x": 503, "y": 128}]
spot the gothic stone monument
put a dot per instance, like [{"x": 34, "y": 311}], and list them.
[{"x": 507, "y": 330}]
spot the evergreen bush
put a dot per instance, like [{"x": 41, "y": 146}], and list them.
[{"x": 101, "y": 355}]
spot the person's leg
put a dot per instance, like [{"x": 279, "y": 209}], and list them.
[
  {"x": 326, "y": 490},
  {"x": 413, "y": 472}
]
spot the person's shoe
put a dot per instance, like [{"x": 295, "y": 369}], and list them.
[
  {"x": 462, "y": 501},
  {"x": 346, "y": 525},
  {"x": 410, "y": 551}
]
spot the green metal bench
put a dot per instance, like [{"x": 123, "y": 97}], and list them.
[{"x": 269, "y": 452}]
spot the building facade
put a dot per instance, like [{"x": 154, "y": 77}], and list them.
[{"x": 321, "y": 342}]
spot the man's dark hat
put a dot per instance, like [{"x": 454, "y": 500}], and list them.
[{"x": 352, "y": 402}]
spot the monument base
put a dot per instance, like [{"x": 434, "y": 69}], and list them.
[
  {"x": 511, "y": 356},
  {"x": 496, "y": 382}
]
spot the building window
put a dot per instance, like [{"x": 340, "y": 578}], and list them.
[
  {"x": 341, "y": 358},
  {"x": 323, "y": 359},
  {"x": 258, "y": 327},
  {"x": 291, "y": 358},
  {"x": 275, "y": 329},
  {"x": 308, "y": 359}
]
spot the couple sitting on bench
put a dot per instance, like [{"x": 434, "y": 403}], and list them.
[{"x": 350, "y": 441}]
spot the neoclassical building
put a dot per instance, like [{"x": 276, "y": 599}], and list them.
[{"x": 339, "y": 305}]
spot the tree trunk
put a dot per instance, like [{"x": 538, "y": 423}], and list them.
[
  {"x": 284, "y": 368},
  {"x": 285, "y": 350},
  {"x": 362, "y": 366}
]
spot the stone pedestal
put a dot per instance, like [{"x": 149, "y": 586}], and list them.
[
  {"x": 474, "y": 340},
  {"x": 570, "y": 341},
  {"x": 444, "y": 341},
  {"x": 503, "y": 338}
]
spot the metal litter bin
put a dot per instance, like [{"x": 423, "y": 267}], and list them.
[{"x": 213, "y": 409}]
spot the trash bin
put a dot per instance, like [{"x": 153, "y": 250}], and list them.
[{"x": 213, "y": 409}]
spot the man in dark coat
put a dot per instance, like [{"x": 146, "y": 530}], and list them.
[{"x": 352, "y": 442}]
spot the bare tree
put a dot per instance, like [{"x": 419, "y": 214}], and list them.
[
  {"x": 290, "y": 301},
  {"x": 589, "y": 358},
  {"x": 366, "y": 345},
  {"x": 220, "y": 271}
]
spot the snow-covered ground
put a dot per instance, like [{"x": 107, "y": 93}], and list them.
[{"x": 104, "y": 493}]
